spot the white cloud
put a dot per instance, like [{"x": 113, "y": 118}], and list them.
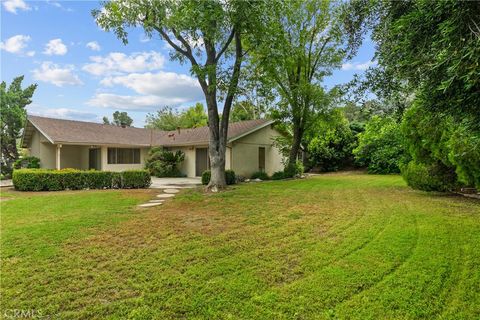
[
  {"x": 63, "y": 113},
  {"x": 13, "y": 5},
  {"x": 59, "y": 76},
  {"x": 117, "y": 63},
  {"x": 358, "y": 65},
  {"x": 134, "y": 103},
  {"x": 58, "y": 5},
  {"x": 93, "y": 45},
  {"x": 168, "y": 85},
  {"x": 55, "y": 47},
  {"x": 16, "y": 44}
]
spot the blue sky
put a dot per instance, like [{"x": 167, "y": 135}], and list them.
[{"x": 85, "y": 73}]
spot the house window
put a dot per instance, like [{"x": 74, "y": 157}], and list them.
[
  {"x": 123, "y": 156},
  {"x": 261, "y": 159}
]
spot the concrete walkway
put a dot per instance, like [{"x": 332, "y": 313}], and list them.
[
  {"x": 6, "y": 183},
  {"x": 167, "y": 193},
  {"x": 175, "y": 183}
]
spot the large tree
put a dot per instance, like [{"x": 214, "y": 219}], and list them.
[
  {"x": 207, "y": 35},
  {"x": 119, "y": 119},
  {"x": 299, "y": 43},
  {"x": 14, "y": 99},
  {"x": 428, "y": 56}
]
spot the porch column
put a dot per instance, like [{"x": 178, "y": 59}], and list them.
[{"x": 57, "y": 156}]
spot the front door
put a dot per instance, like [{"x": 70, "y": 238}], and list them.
[
  {"x": 201, "y": 161},
  {"x": 94, "y": 159}
]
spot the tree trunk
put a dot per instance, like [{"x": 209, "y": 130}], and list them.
[
  {"x": 216, "y": 151},
  {"x": 219, "y": 131},
  {"x": 297, "y": 139}
]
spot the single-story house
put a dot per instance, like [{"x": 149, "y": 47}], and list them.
[{"x": 86, "y": 145}]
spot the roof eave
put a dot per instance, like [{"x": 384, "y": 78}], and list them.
[{"x": 266, "y": 124}]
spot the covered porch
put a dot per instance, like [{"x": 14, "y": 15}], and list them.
[{"x": 107, "y": 158}]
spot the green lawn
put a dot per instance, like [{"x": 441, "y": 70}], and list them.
[{"x": 344, "y": 246}]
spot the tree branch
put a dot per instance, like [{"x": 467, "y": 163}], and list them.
[
  {"x": 226, "y": 45},
  {"x": 232, "y": 88}
]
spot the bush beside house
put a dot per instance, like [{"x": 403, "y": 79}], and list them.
[
  {"x": 163, "y": 163},
  {"x": 72, "y": 179},
  {"x": 29, "y": 162}
]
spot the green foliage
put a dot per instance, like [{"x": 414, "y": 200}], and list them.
[
  {"x": 278, "y": 175},
  {"x": 135, "y": 179},
  {"x": 230, "y": 177},
  {"x": 298, "y": 44},
  {"x": 119, "y": 119},
  {"x": 330, "y": 142},
  {"x": 13, "y": 101},
  {"x": 438, "y": 137},
  {"x": 260, "y": 175},
  {"x": 72, "y": 179},
  {"x": 29, "y": 162},
  {"x": 428, "y": 54},
  {"x": 169, "y": 119},
  {"x": 246, "y": 110},
  {"x": 434, "y": 177},
  {"x": 381, "y": 147},
  {"x": 162, "y": 163},
  {"x": 206, "y": 177},
  {"x": 293, "y": 170}
]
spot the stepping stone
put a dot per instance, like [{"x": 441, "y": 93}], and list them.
[
  {"x": 170, "y": 191},
  {"x": 145, "y": 205},
  {"x": 156, "y": 201},
  {"x": 165, "y": 195}
]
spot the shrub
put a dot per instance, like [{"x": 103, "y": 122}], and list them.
[
  {"x": 229, "y": 177},
  {"x": 260, "y": 175},
  {"x": 434, "y": 177},
  {"x": 293, "y": 170},
  {"x": 162, "y": 163},
  {"x": 134, "y": 179},
  {"x": 206, "y": 175},
  {"x": 330, "y": 142},
  {"x": 54, "y": 180},
  {"x": 380, "y": 147},
  {"x": 279, "y": 175},
  {"x": 27, "y": 162}
]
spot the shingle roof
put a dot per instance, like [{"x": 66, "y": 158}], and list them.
[{"x": 81, "y": 132}]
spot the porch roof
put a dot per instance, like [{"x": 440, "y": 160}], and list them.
[{"x": 60, "y": 131}]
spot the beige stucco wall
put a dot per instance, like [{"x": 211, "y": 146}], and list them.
[
  {"x": 245, "y": 153},
  {"x": 41, "y": 148},
  {"x": 121, "y": 167}
]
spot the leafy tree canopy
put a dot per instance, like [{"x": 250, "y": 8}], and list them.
[
  {"x": 119, "y": 119},
  {"x": 13, "y": 115},
  {"x": 298, "y": 44},
  {"x": 169, "y": 119}
]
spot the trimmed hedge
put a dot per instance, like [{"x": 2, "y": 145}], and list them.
[
  {"x": 72, "y": 179},
  {"x": 229, "y": 177}
]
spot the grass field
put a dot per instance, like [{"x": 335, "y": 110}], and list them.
[{"x": 342, "y": 246}]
